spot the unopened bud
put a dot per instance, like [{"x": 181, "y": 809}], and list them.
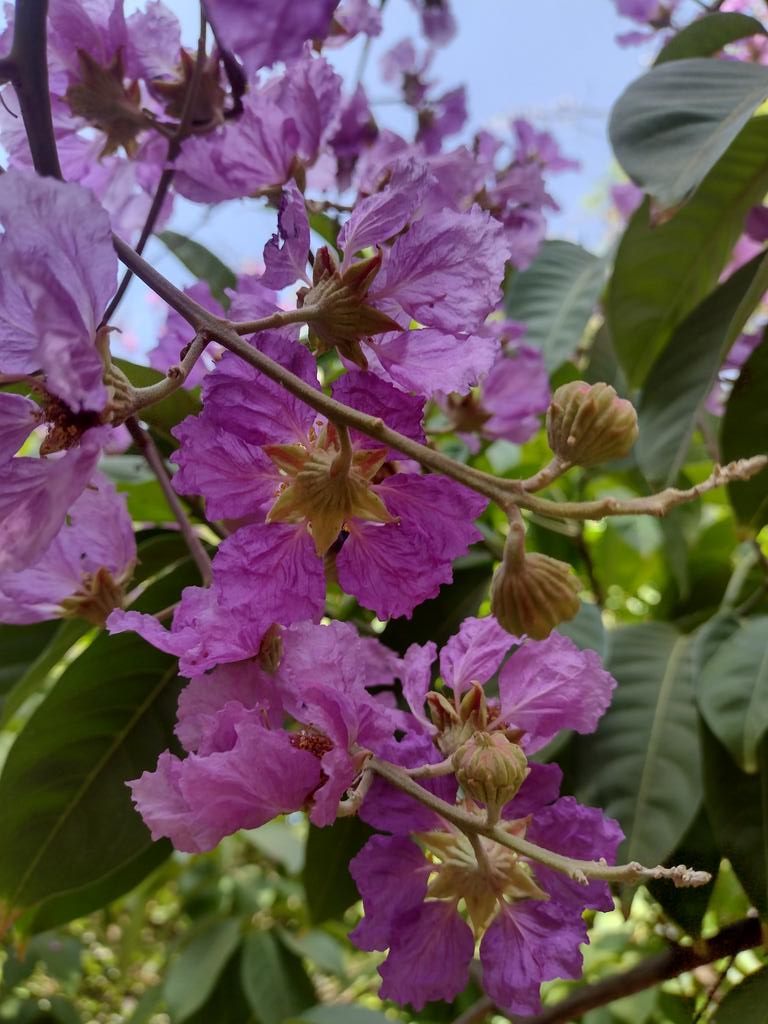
[
  {"x": 588, "y": 424},
  {"x": 97, "y": 597},
  {"x": 271, "y": 649},
  {"x": 532, "y": 593},
  {"x": 490, "y": 769},
  {"x": 343, "y": 318}
]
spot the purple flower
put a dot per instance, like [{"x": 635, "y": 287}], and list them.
[
  {"x": 82, "y": 571},
  {"x": 264, "y": 31},
  {"x": 437, "y": 21},
  {"x": 285, "y": 254}
]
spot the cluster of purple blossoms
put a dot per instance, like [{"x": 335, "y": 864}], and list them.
[{"x": 294, "y": 730}]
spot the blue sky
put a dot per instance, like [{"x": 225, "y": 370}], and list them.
[{"x": 553, "y": 61}]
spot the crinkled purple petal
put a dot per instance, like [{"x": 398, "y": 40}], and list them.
[
  {"x": 583, "y": 833},
  {"x": 251, "y": 300},
  {"x": 155, "y": 35},
  {"x": 529, "y": 942},
  {"x": 430, "y": 360},
  {"x": 446, "y": 271},
  {"x": 18, "y": 418},
  {"x": 35, "y": 496},
  {"x": 429, "y": 955},
  {"x": 549, "y": 685},
  {"x": 416, "y": 677},
  {"x": 241, "y": 682},
  {"x": 240, "y": 400},
  {"x": 177, "y": 334},
  {"x": 287, "y": 263},
  {"x": 271, "y": 570},
  {"x": 391, "y": 874},
  {"x": 265, "y": 31},
  {"x": 474, "y": 654},
  {"x": 437, "y": 21},
  {"x": 310, "y": 93},
  {"x": 516, "y": 393},
  {"x": 159, "y": 801},
  {"x": 445, "y": 116},
  {"x": 380, "y": 217},
  {"x": 541, "y": 787},
  {"x": 235, "y": 478},
  {"x": 364, "y": 391}
]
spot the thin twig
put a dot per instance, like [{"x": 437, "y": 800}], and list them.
[
  {"x": 674, "y": 961},
  {"x": 148, "y": 449},
  {"x": 28, "y": 65},
  {"x": 505, "y": 493},
  {"x": 554, "y": 469},
  {"x": 166, "y": 178},
  {"x": 175, "y": 376},
  {"x": 579, "y": 870}
]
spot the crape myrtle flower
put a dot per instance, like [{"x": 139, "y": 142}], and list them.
[
  {"x": 257, "y": 453},
  {"x": 83, "y": 570},
  {"x": 512, "y": 395},
  {"x": 527, "y": 917},
  {"x": 57, "y": 272},
  {"x": 285, "y": 127},
  {"x": 262, "y": 32},
  {"x": 355, "y": 132},
  {"x": 263, "y": 743},
  {"x": 437, "y": 21}
]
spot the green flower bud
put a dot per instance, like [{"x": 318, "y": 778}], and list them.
[
  {"x": 490, "y": 769},
  {"x": 588, "y": 424},
  {"x": 532, "y": 593}
]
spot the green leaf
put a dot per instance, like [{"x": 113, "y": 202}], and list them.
[
  {"x": 586, "y": 629},
  {"x": 193, "y": 974},
  {"x": 325, "y": 226},
  {"x": 202, "y": 263},
  {"x": 642, "y": 765},
  {"x": 746, "y": 1002},
  {"x": 280, "y": 842},
  {"x": 662, "y": 271},
  {"x": 699, "y": 849},
  {"x": 227, "y": 1003},
  {"x": 317, "y": 946},
  {"x": 273, "y": 979},
  {"x": 68, "y": 820},
  {"x": 555, "y": 298},
  {"x": 338, "y": 1013},
  {"x": 328, "y": 885},
  {"x": 24, "y": 668},
  {"x": 670, "y": 127},
  {"x": 733, "y": 692},
  {"x": 171, "y": 410},
  {"x": 708, "y": 35},
  {"x": 685, "y": 371},
  {"x": 736, "y": 806},
  {"x": 744, "y": 432}
]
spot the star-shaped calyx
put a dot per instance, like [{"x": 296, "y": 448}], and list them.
[
  {"x": 104, "y": 99},
  {"x": 327, "y": 483}
]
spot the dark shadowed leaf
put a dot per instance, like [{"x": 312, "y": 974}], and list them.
[
  {"x": 274, "y": 981},
  {"x": 337, "y": 1013},
  {"x": 697, "y": 849},
  {"x": 673, "y": 124},
  {"x": 227, "y": 1003},
  {"x": 732, "y": 691},
  {"x": 555, "y": 298},
  {"x": 705, "y": 36},
  {"x": 29, "y": 653},
  {"x": 202, "y": 263},
  {"x": 745, "y": 432},
  {"x": 662, "y": 271},
  {"x": 586, "y": 629},
  {"x": 683, "y": 375},
  {"x": 328, "y": 885},
  {"x": 736, "y": 806},
  {"x": 68, "y": 819},
  {"x": 642, "y": 766},
  {"x": 193, "y": 974},
  {"x": 746, "y": 1002}
]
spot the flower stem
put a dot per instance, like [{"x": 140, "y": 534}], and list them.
[
  {"x": 579, "y": 870},
  {"x": 175, "y": 377}
]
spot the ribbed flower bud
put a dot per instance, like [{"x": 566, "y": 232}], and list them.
[
  {"x": 344, "y": 317},
  {"x": 490, "y": 769},
  {"x": 588, "y": 424},
  {"x": 532, "y": 593}
]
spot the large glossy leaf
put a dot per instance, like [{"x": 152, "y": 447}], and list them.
[
  {"x": 683, "y": 375},
  {"x": 328, "y": 885},
  {"x": 745, "y": 432},
  {"x": 642, "y": 765},
  {"x": 274, "y": 981},
  {"x": 708, "y": 35},
  {"x": 736, "y": 806},
  {"x": 21, "y": 647},
  {"x": 698, "y": 849},
  {"x": 68, "y": 821},
  {"x": 555, "y": 298},
  {"x": 202, "y": 263},
  {"x": 733, "y": 691},
  {"x": 673, "y": 124},
  {"x": 662, "y": 271},
  {"x": 227, "y": 1003},
  {"x": 193, "y": 974},
  {"x": 746, "y": 1002}
]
